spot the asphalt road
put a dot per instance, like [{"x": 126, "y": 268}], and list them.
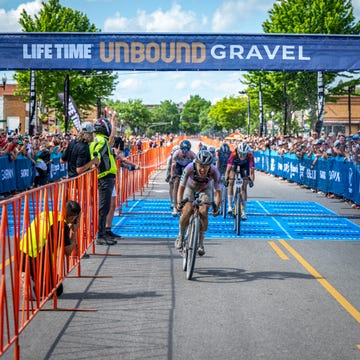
[{"x": 249, "y": 299}]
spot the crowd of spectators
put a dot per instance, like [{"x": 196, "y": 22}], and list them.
[
  {"x": 312, "y": 145},
  {"x": 42, "y": 146}
]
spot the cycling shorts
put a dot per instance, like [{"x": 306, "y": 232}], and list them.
[{"x": 205, "y": 194}]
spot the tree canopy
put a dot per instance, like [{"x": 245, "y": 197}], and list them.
[
  {"x": 85, "y": 86},
  {"x": 291, "y": 91}
]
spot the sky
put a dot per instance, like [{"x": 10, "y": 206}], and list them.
[{"x": 194, "y": 16}]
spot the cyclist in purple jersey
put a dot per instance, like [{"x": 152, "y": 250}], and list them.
[{"x": 202, "y": 177}]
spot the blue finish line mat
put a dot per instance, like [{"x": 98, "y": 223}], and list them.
[{"x": 266, "y": 220}]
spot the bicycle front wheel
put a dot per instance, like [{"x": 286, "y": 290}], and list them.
[
  {"x": 185, "y": 253},
  {"x": 192, "y": 246}
]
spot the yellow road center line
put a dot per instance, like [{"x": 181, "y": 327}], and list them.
[
  {"x": 276, "y": 248},
  {"x": 355, "y": 313}
]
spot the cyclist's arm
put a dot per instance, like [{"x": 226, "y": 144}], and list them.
[
  {"x": 227, "y": 172},
  {"x": 252, "y": 166},
  {"x": 252, "y": 174},
  {"x": 173, "y": 163},
  {"x": 180, "y": 193}
]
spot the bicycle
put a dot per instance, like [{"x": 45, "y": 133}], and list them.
[
  {"x": 191, "y": 238},
  {"x": 238, "y": 183},
  {"x": 224, "y": 197}
]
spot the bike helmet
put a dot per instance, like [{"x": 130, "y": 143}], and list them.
[
  {"x": 175, "y": 148},
  {"x": 204, "y": 147},
  {"x": 87, "y": 127},
  {"x": 243, "y": 148},
  {"x": 185, "y": 145},
  {"x": 212, "y": 150},
  {"x": 225, "y": 148},
  {"x": 204, "y": 157},
  {"x": 103, "y": 126}
]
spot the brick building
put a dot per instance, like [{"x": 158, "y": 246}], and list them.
[
  {"x": 337, "y": 117},
  {"x": 14, "y": 112}
]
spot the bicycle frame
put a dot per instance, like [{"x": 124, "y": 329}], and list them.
[
  {"x": 238, "y": 183},
  {"x": 191, "y": 239}
]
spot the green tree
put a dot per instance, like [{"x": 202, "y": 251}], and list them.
[
  {"x": 85, "y": 86},
  {"x": 229, "y": 113},
  {"x": 288, "y": 92},
  {"x": 191, "y": 114},
  {"x": 165, "y": 118},
  {"x": 133, "y": 114}
]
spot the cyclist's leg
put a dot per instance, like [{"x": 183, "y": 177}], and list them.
[
  {"x": 205, "y": 196},
  {"x": 185, "y": 216},
  {"x": 177, "y": 175},
  {"x": 183, "y": 224},
  {"x": 174, "y": 196},
  {"x": 245, "y": 176},
  {"x": 171, "y": 193},
  {"x": 231, "y": 190}
]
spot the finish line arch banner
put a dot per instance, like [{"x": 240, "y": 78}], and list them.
[{"x": 179, "y": 52}]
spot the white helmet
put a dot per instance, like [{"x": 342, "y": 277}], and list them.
[
  {"x": 243, "y": 148},
  {"x": 204, "y": 157},
  {"x": 87, "y": 127}
]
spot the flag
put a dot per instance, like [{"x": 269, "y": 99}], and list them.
[
  {"x": 72, "y": 111},
  {"x": 32, "y": 105}
]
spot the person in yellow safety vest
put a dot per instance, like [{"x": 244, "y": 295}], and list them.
[
  {"x": 39, "y": 242},
  {"x": 107, "y": 170}
]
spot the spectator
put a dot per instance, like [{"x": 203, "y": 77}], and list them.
[
  {"x": 78, "y": 154},
  {"x": 107, "y": 170},
  {"x": 39, "y": 243},
  {"x": 42, "y": 166}
]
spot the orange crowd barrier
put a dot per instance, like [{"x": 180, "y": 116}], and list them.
[
  {"x": 31, "y": 274},
  {"x": 32, "y": 268}
]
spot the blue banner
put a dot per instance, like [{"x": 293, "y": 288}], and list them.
[
  {"x": 334, "y": 175},
  {"x": 24, "y": 170},
  {"x": 55, "y": 167},
  {"x": 7, "y": 175},
  {"x": 236, "y": 52}
]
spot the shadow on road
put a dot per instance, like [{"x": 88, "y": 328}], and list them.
[{"x": 233, "y": 275}]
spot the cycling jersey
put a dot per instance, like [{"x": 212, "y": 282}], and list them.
[
  {"x": 181, "y": 159},
  {"x": 244, "y": 164},
  {"x": 192, "y": 181},
  {"x": 234, "y": 160}
]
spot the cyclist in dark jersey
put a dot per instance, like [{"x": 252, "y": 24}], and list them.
[
  {"x": 243, "y": 158},
  {"x": 222, "y": 158},
  {"x": 203, "y": 177}
]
